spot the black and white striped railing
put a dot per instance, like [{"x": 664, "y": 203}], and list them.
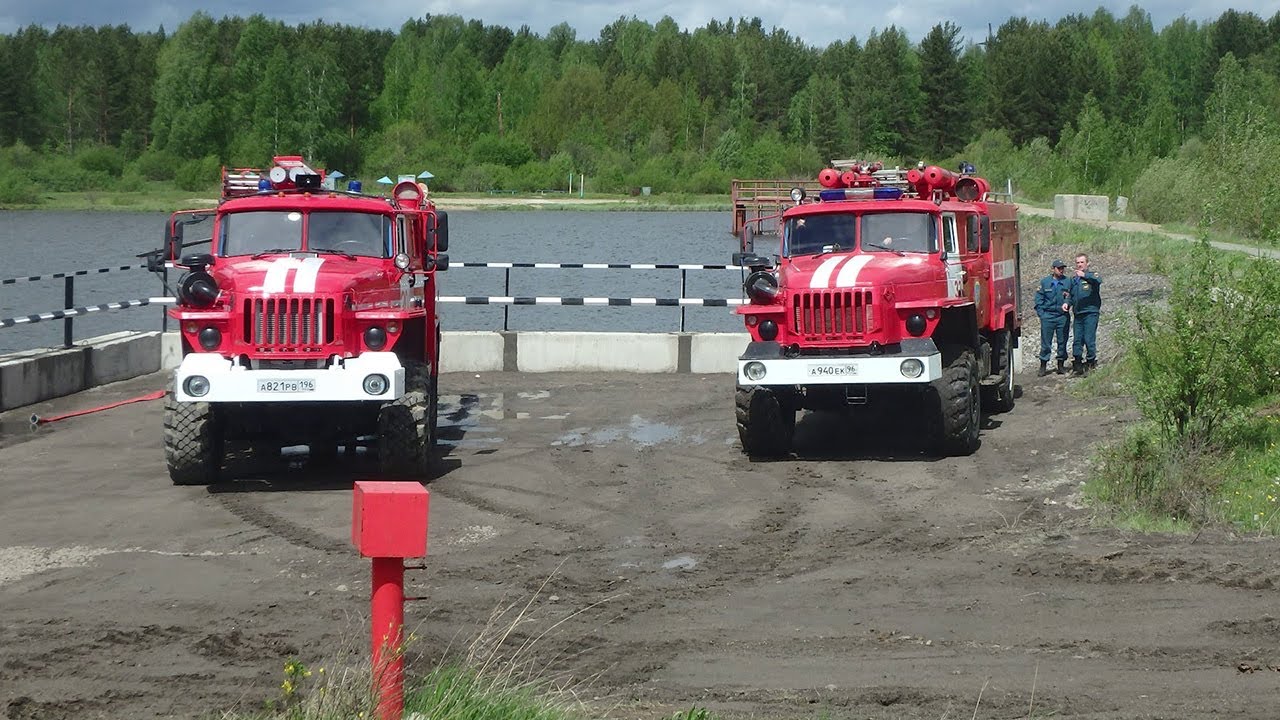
[
  {"x": 594, "y": 266},
  {"x": 606, "y": 301},
  {"x": 76, "y": 312},
  {"x": 73, "y": 273}
]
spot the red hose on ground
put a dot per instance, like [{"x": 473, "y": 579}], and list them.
[{"x": 37, "y": 420}]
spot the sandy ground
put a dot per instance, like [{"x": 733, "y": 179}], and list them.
[{"x": 857, "y": 579}]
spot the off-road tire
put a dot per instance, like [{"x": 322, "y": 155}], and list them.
[
  {"x": 433, "y": 411},
  {"x": 958, "y": 406},
  {"x": 405, "y": 438},
  {"x": 192, "y": 442},
  {"x": 766, "y": 424},
  {"x": 1000, "y": 398}
]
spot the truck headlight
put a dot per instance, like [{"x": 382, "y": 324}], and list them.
[
  {"x": 375, "y": 338},
  {"x": 196, "y": 386},
  {"x": 210, "y": 338},
  {"x": 376, "y": 384},
  {"x": 754, "y": 371},
  {"x": 911, "y": 368}
]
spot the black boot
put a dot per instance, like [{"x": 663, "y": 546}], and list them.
[
  {"x": 1091, "y": 364},
  {"x": 1061, "y": 362},
  {"x": 1077, "y": 367},
  {"x": 1044, "y": 368}
]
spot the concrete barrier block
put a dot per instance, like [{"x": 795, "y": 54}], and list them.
[
  {"x": 717, "y": 352},
  {"x": 471, "y": 351},
  {"x": 597, "y": 352},
  {"x": 170, "y": 350},
  {"x": 36, "y": 375},
  {"x": 1081, "y": 207},
  {"x": 122, "y": 355}
]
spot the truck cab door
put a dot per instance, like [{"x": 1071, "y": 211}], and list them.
[{"x": 954, "y": 262}]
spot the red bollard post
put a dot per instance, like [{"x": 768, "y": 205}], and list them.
[{"x": 389, "y": 524}]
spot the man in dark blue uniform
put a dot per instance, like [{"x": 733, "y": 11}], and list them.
[
  {"x": 1052, "y": 307},
  {"x": 1086, "y": 303}
]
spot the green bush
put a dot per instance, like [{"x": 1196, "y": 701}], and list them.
[
  {"x": 485, "y": 177},
  {"x": 16, "y": 189},
  {"x": 509, "y": 151},
  {"x": 101, "y": 159},
  {"x": 159, "y": 165},
  {"x": 1169, "y": 191},
  {"x": 197, "y": 175},
  {"x": 61, "y": 173}
]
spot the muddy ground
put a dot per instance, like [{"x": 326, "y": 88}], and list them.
[{"x": 858, "y": 579}]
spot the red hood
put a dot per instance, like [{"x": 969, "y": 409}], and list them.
[
  {"x": 286, "y": 275},
  {"x": 867, "y": 270}
]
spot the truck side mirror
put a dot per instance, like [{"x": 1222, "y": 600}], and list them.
[
  {"x": 438, "y": 231},
  {"x": 984, "y": 233}
]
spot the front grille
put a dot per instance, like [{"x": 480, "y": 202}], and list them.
[
  {"x": 832, "y": 314},
  {"x": 285, "y": 323}
]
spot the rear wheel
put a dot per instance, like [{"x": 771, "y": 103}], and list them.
[
  {"x": 959, "y": 413},
  {"x": 192, "y": 442},
  {"x": 766, "y": 423},
  {"x": 405, "y": 430}
]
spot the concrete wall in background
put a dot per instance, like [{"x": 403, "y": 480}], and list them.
[{"x": 36, "y": 375}]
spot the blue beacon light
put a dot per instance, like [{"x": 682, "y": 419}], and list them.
[
  {"x": 879, "y": 193},
  {"x": 354, "y": 186},
  {"x": 264, "y": 185}
]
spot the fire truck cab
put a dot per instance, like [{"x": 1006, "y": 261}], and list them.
[
  {"x": 891, "y": 288},
  {"x": 310, "y": 319}
]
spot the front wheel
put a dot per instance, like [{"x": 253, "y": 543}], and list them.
[
  {"x": 192, "y": 442},
  {"x": 405, "y": 437},
  {"x": 766, "y": 423},
  {"x": 959, "y": 413}
]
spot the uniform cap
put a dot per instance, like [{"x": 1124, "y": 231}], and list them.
[{"x": 1058, "y": 263}]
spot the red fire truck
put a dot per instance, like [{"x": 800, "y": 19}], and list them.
[
  {"x": 892, "y": 287},
  {"x": 311, "y": 319}
]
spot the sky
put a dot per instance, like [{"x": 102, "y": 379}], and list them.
[{"x": 816, "y": 22}]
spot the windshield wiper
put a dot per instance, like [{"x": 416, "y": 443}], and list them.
[
  {"x": 878, "y": 246},
  {"x": 833, "y": 247},
  {"x": 274, "y": 251},
  {"x": 331, "y": 251}
]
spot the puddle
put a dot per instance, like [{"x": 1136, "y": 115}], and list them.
[
  {"x": 15, "y": 431},
  {"x": 639, "y": 431}
]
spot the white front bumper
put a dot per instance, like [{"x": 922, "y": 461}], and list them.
[
  {"x": 343, "y": 381},
  {"x": 845, "y": 370}
]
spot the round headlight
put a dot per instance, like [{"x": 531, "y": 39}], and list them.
[
  {"x": 768, "y": 330},
  {"x": 911, "y": 368},
  {"x": 754, "y": 371},
  {"x": 375, "y": 338},
  {"x": 402, "y": 261},
  {"x": 797, "y": 195},
  {"x": 916, "y": 325},
  {"x": 196, "y": 386},
  {"x": 376, "y": 384},
  {"x": 210, "y": 338}
]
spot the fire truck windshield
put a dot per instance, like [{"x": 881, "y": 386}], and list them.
[
  {"x": 354, "y": 233},
  {"x": 272, "y": 231},
  {"x": 820, "y": 232},
  {"x": 899, "y": 232},
  {"x": 250, "y": 233}
]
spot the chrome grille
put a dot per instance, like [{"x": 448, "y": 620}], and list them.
[
  {"x": 288, "y": 323},
  {"x": 832, "y": 314}
]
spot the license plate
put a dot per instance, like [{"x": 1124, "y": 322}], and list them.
[
  {"x": 300, "y": 385},
  {"x": 833, "y": 370}
]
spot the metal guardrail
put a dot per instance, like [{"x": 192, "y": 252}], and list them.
[{"x": 70, "y": 311}]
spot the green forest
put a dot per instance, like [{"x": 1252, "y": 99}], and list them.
[{"x": 1182, "y": 119}]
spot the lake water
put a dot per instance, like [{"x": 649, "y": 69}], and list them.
[{"x": 42, "y": 243}]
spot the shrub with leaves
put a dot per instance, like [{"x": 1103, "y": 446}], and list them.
[{"x": 1212, "y": 352}]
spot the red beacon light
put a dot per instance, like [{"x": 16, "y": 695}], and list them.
[{"x": 408, "y": 194}]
